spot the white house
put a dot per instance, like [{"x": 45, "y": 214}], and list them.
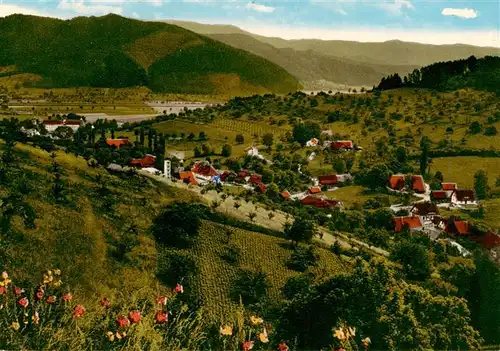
[
  {"x": 313, "y": 142},
  {"x": 51, "y": 125},
  {"x": 463, "y": 197}
]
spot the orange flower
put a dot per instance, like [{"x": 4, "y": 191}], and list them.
[
  {"x": 79, "y": 311},
  {"x": 135, "y": 317},
  {"x": 122, "y": 321},
  {"x": 227, "y": 330},
  {"x": 283, "y": 347},
  {"x": 51, "y": 299},
  {"x": 67, "y": 297},
  {"x": 105, "y": 302},
  {"x": 18, "y": 291},
  {"x": 247, "y": 346},
  {"x": 179, "y": 288},
  {"x": 339, "y": 334},
  {"x": 162, "y": 300}
]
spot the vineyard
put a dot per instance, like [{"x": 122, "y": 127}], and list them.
[
  {"x": 250, "y": 128},
  {"x": 258, "y": 251}
]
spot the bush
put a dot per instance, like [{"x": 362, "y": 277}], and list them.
[
  {"x": 302, "y": 258},
  {"x": 250, "y": 286},
  {"x": 490, "y": 131},
  {"x": 232, "y": 254},
  {"x": 298, "y": 285}
]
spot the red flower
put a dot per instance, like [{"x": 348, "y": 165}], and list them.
[
  {"x": 283, "y": 347},
  {"x": 39, "y": 295},
  {"x": 23, "y": 302},
  {"x": 340, "y": 349},
  {"x": 79, "y": 311},
  {"x": 161, "y": 317},
  {"x": 51, "y": 299},
  {"x": 162, "y": 300},
  {"x": 105, "y": 302},
  {"x": 135, "y": 317},
  {"x": 2, "y": 290},
  {"x": 67, "y": 297},
  {"x": 179, "y": 288},
  {"x": 247, "y": 346},
  {"x": 18, "y": 291},
  {"x": 122, "y": 321}
]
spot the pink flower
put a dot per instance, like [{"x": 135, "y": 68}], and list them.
[
  {"x": 283, "y": 347},
  {"x": 67, "y": 297},
  {"x": 2, "y": 290},
  {"x": 162, "y": 300},
  {"x": 161, "y": 317},
  {"x": 247, "y": 346},
  {"x": 23, "y": 302},
  {"x": 105, "y": 302},
  {"x": 79, "y": 311},
  {"x": 135, "y": 317},
  {"x": 51, "y": 299},
  {"x": 18, "y": 291},
  {"x": 39, "y": 295},
  {"x": 122, "y": 321},
  {"x": 179, "y": 288}
]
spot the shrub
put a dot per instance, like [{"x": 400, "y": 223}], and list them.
[
  {"x": 302, "y": 258},
  {"x": 232, "y": 254},
  {"x": 250, "y": 286},
  {"x": 297, "y": 285}
]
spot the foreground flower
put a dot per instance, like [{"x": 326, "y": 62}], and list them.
[
  {"x": 18, "y": 291},
  {"x": 122, "y": 321},
  {"x": 263, "y": 336},
  {"x": 226, "y": 330},
  {"x": 283, "y": 347},
  {"x": 105, "y": 302},
  {"x": 35, "y": 318},
  {"x": 4, "y": 275},
  {"x": 39, "y": 295},
  {"x": 111, "y": 336},
  {"x": 15, "y": 325},
  {"x": 51, "y": 299},
  {"x": 247, "y": 346},
  {"x": 339, "y": 334},
  {"x": 67, "y": 297},
  {"x": 23, "y": 302},
  {"x": 79, "y": 311},
  {"x": 256, "y": 320},
  {"x": 135, "y": 317},
  {"x": 2, "y": 290},
  {"x": 161, "y": 317},
  {"x": 366, "y": 342},
  {"x": 179, "y": 288},
  {"x": 162, "y": 300},
  {"x": 57, "y": 271},
  {"x": 350, "y": 332}
]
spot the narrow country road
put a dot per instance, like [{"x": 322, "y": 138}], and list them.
[{"x": 275, "y": 222}]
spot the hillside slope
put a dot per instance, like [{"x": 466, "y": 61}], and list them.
[
  {"x": 309, "y": 66},
  {"x": 112, "y": 51}
]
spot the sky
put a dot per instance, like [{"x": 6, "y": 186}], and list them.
[{"x": 475, "y": 22}]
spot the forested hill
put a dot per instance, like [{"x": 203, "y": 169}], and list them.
[
  {"x": 112, "y": 51},
  {"x": 481, "y": 74}
]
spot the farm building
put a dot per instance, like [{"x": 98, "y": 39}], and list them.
[
  {"x": 418, "y": 183},
  {"x": 286, "y": 195},
  {"x": 320, "y": 202},
  {"x": 457, "y": 227},
  {"x": 440, "y": 195},
  {"x": 117, "y": 142},
  {"x": 188, "y": 177},
  {"x": 426, "y": 210},
  {"x": 51, "y": 125},
  {"x": 342, "y": 145},
  {"x": 463, "y": 197},
  {"x": 328, "y": 179},
  {"x": 204, "y": 169},
  {"x": 488, "y": 240},
  {"x": 412, "y": 222},
  {"x": 449, "y": 186},
  {"x": 147, "y": 161},
  {"x": 314, "y": 190},
  {"x": 312, "y": 142},
  {"x": 397, "y": 181}
]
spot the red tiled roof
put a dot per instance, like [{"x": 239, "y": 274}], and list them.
[
  {"x": 425, "y": 208},
  {"x": 262, "y": 187},
  {"x": 456, "y": 227},
  {"x": 146, "y": 161},
  {"x": 328, "y": 179},
  {"x": 397, "y": 182},
  {"x": 224, "y": 175},
  {"x": 188, "y": 177},
  {"x": 319, "y": 202},
  {"x": 439, "y": 194},
  {"x": 285, "y": 195},
  {"x": 204, "y": 169},
  {"x": 255, "y": 179},
  {"x": 64, "y": 122},
  {"x": 342, "y": 144},
  {"x": 314, "y": 190},
  {"x": 411, "y": 222},
  {"x": 418, "y": 183},
  {"x": 448, "y": 186},
  {"x": 488, "y": 240},
  {"x": 117, "y": 142},
  {"x": 243, "y": 173}
]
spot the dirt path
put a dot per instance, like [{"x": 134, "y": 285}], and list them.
[{"x": 262, "y": 218}]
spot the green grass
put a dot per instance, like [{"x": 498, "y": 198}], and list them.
[
  {"x": 113, "y": 51},
  {"x": 352, "y": 195},
  {"x": 461, "y": 169}
]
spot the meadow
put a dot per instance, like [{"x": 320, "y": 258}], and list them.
[{"x": 461, "y": 169}]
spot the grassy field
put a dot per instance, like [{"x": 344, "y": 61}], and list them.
[
  {"x": 354, "y": 195},
  {"x": 258, "y": 251},
  {"x": 461, "y": 169}
]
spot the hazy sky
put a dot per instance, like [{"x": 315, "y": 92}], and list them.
[{"x": 475, "y": 22}]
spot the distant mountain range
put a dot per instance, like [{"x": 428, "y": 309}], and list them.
[
  {"x": 113, "y": 51},
  {"x": 338, "y": 62}
]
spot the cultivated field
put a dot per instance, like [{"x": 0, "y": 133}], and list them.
[{"x": 461, "y": 169}]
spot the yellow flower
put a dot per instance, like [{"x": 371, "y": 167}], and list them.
[
  {"x": 4, "y": 275},
  {"x": 256, "y": 320},
  {"x": 366, "y": 341},
  {"x": 15, "y": 325},
  {"x": 118, "y": 336},
  {"x": 263, "y": 336},
  {"x": 110, "y": 335},
  {"x": 2, "y": 283},
  {"x": 7, "y": 282},
  {"x": 57, "y": 271},
  {"x": 124, "y": 334},
  {"x": 226, "y": 330},
  {"x": 58, "y": 283},
  {"x": 350, "y": 332},
  {"x": 35, "y": 318},
  {"x": 49, "y": 272},
  {"x": 47, "y": 278},
  {"x": 339, "y": 334}
]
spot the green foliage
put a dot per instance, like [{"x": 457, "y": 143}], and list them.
[
  {"x": 475, "y": 127},
  {"x": 226, "y": 150},
  {"x": 250, "y": 286},
  {"x": 416, "y": 265},
  {"x": 177, "y": 224},
  {"x": 376, "y": 177},
  {"x": 303, "y": 257},
  {"x": 302, "y": 230},
  {"x": 298, "y": 285},
  {"x": 303, "y": 132},
  {"x": 481, "y": 186}
]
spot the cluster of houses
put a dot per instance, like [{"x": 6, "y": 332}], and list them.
[{"x": 337, "y": 145}]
